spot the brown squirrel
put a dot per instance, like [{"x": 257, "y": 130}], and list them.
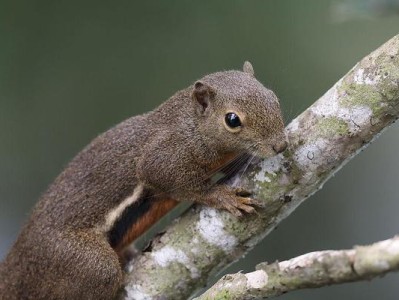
[{"x": 130, "y": 176}]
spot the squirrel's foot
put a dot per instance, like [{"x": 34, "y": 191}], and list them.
[
  {"x": 238, "y": 200},
  {"x": 239, "y": 191}
]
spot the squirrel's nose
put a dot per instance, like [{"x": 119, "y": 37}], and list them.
[{"x": 280, "y": 146}]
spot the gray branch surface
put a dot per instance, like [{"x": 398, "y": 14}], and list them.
[
  {"x": 310, "y": 270},
  {"x": 322, "y": 139}
]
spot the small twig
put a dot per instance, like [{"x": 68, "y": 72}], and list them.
[{"x": 310, "y": 270}]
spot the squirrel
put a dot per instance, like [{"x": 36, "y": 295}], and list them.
[{"x": 133, "y": 174}]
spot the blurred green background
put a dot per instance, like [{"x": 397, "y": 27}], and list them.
[{"x": 69, "y": 70}]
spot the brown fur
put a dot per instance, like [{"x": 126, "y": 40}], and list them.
[{"x": 63, "y": 251}]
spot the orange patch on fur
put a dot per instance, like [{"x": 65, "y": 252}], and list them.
[
  {"x": 224, "y": 161},
  {"x": 159, "y": 208}
]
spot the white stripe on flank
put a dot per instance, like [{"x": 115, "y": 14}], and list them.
[{"x": 115, "y": 213}]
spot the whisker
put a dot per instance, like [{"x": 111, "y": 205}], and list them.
[
  {"x": 229, "y": 168},
  {"x": 246, "y": 167}
]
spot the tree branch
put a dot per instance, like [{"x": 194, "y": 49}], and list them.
[
  {"x": 322, "y": 139},
  {"x": 310, "y": 270}
]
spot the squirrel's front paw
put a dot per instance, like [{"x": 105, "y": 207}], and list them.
[{"x": 238, "y": 200}]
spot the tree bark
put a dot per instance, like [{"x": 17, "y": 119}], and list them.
[
  {"x": 311, "y": 270},
  {"x": 322, "y": 139}
]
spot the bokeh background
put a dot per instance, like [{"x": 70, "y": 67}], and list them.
[{"x": 71, "y": 69}]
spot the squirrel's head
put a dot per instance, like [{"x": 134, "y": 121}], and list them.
[{"x": 240, "y": 112}]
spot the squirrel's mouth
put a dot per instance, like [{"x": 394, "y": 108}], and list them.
[
  {"x": 280, "y": 146},
  {"x": 266, "y": 151}
]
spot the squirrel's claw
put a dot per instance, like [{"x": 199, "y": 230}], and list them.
[
  {"x": 245, "y": 194},
  {"x": 235, "y": 200},
  {"x": 233, "y": 210},
  {"x": 242, "y": 192},
  {"x": 241, "y": 202},
  {"x": 237, "y": 205}
]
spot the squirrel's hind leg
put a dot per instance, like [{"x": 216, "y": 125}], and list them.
[{"x": 86, "y": 267}]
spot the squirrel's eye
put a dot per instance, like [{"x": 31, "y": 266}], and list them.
[{"x": 232, "y": 120}]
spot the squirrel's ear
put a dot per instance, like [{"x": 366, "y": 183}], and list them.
[
  {"x": 247, "y": 68},
  {"x": 202, "y": 94}
]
